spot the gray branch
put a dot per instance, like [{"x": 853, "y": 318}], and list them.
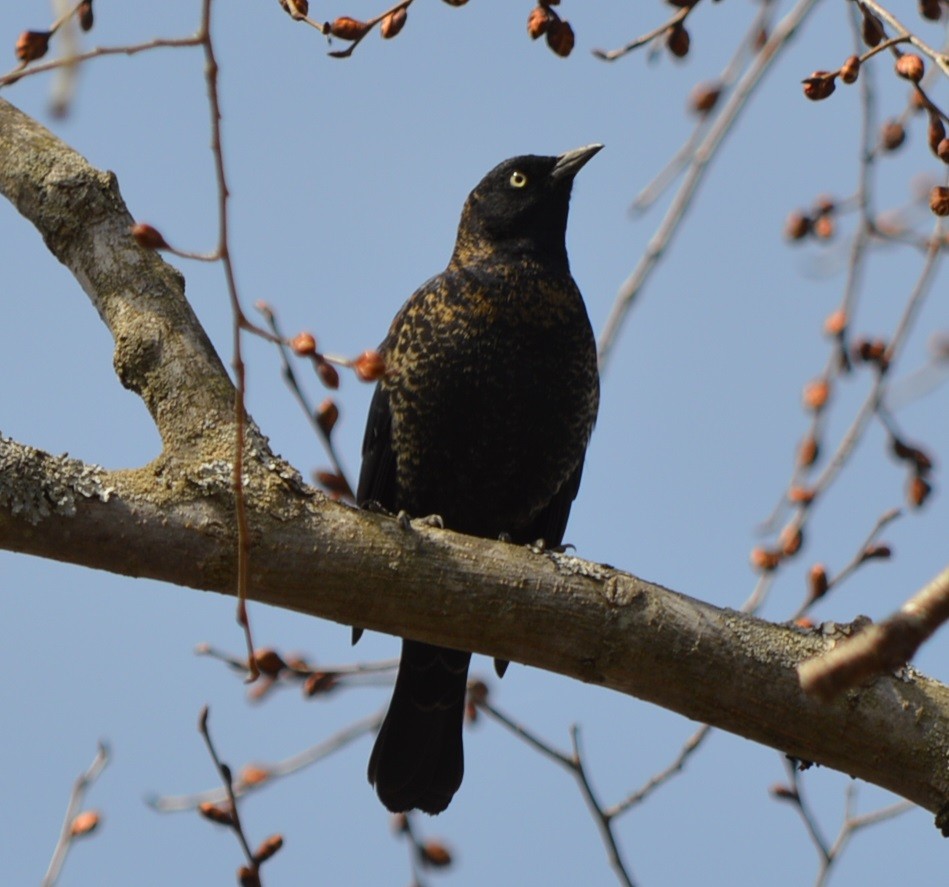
[{"x": 174, "y": 520}]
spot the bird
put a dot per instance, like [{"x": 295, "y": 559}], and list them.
[{"x": 481, "y": 418}]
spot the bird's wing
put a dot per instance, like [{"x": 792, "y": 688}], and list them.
[
  {"x": 377, "y": 475},
  {"x": 551, "y": 522}
]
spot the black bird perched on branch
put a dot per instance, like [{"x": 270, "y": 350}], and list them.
[{"x": 483, "y": 418}]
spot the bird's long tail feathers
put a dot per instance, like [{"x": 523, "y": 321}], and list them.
[{"x": 418, "y": 758}]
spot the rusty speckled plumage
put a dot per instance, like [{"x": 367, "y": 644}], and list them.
[{"x": 483, "y": 417}]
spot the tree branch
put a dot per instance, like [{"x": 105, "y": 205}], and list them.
[{"x": 174, "y": 520}]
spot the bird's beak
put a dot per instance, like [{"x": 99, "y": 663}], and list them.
[{"x": 569, "y": 164}]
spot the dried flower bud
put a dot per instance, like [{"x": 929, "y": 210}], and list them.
[
  {"x": 808, "y": 451},
  {"x": 797, "y": 226},
  {"x": 764, "y": 560},
  {"x": 876, "y": 552},
  {"x": 84, "y": 823},
  {"x": 327, "y": 415},
  {"x": 254, "y": 775},
  {"x": 824, "y": 227},
  {"x": 268, "y": 847},
  {"x": 816, "y": 394},
  {"x": 347, "y": 28},
  {"x": 919, "y": 490},
  {"x": 560, "y": 37},
  {"x": 873, "y": 31},
  {"x": 320, "y": 682},
  {"x": 850, "y": 69},
  {"x": 783, "y": 792},
  {"x": 220, "y": 814},
  {"x": 910, "y": 66},
  {"x": 369, "y": 366},
  {"x": 393, "y": 23},
  {"x": 537, "y": 22},
  {"x": 836, "y": 322},
  {"x": 939, "y": 200},
  {"x": 930, "y": 9},
  {"x": 704, "y": 97},
  {"x": 84, "y": 11},
  {"x": 478, "y": 691},
  {"x": 942, "y": 150},
  {"x": 817, "y": 582},
  {"x": 435, "y": 854},
  {"x": 791, "y": 540},
  {"x": 148, "y": 237},
  {"x": 819, "y": 85},
  {"x": 269, "y": 662},
  {"x": 678, "y": 41},
  {"x": 800, "y": 495},
  {"x": 32, "y": 45},
  {"x": 303, "y": 344},
  {"x": 328, "y": 374},
  {"x": 296, "y": 9},
  {"x": 892, "y": 135}
]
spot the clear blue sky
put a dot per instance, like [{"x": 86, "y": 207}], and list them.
[{"x": 348, "y": 178}]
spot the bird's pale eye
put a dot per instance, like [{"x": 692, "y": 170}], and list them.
[{"x": 518, "y": 179}]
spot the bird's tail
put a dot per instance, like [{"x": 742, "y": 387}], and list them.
[{"x": 418, "y": 758}]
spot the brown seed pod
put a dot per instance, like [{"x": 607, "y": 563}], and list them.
[
  {"x": 836, "y": 322},
  {"x": 327, "y": 415},
  {"x": 824, "y": 227},
  {"x": 369, "y": 366},
  {"x": 797, "y": 226},
  {"x": 269, "y": 662},
  {"x": 560, "y": 37},
  {"x": 220, "y": 814},
  {"x": 800, "y": 495},
  {"x": 764, "y": 560},
  {"x": 538, "y": 22},
  {"x": 910, "y": 66},
  {"x": 892, "y": 135},
  {"x": 930, "y": 9},
  {"x": 873, "y": 31},
  {"x": 850, "y": 69},
  {"x": 254, "y": 775},
  {"x": 819, "y": 85},
  {"x": 939, "y": 200},
  {"x": 249, "y": 876},
  {"x": 328, "y": 374},
  {"x": 808, "y": 451},
  {"x": 678, "y": 40},
  {"x": 393, "y": 23},
  {"x": 148, "y": 237},
  {"x": 936, "y": 132},
  {"x": 942, "y": 150},
  {"x": 879, "y": 551},
  {"x": 84, "y": 823},
  {"x": 319, "y": 682},
  {"x": 919, "y": 490},
  {"x": 303, "y": 344},
  {"x": 817, "y": 581},
  {"x": 347, "y": 28},
  {"x": 791, "y": 540},
  {"x": 268, "y": 847},
  {"x": 816, "y": 394},
  {"x": 84, "y": 12},
  {"x": 456, "y": 2},
  {"x": 32, "y": 45},
  {"x": 435, "y": 854},
  {"x": 704, "y": 97},
  {"x": 333, "y": 482}
]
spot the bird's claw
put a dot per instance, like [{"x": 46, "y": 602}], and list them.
[{"x": 407, "y": 523}]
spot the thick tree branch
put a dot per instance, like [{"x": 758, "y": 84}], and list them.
[{"x": 174, "y": 520}]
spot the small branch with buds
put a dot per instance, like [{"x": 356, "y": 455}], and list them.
[
  {"x": 880, "y": 648},
  {"x": 76, "y": 824}
]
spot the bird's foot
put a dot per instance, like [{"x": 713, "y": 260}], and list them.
[
  {"x": 406, "y": 522},
  {"x": 540, "y": 546}
]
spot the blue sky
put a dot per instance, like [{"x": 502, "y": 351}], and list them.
[{"x": 348, "y": 178}]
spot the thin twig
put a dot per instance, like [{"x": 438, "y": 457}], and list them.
[
  {"x": 81, "y": 785},
  {"x": 670, "y": 223}
]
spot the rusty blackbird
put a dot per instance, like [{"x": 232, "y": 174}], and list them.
[{"x": 482, "y": 417}]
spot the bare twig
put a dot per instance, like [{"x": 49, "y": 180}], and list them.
[
  {"x": 879, "y": 648},
  {"x": 66, "y": 835}
]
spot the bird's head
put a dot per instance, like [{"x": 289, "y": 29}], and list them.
[{"x": 521, "y": 206}]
